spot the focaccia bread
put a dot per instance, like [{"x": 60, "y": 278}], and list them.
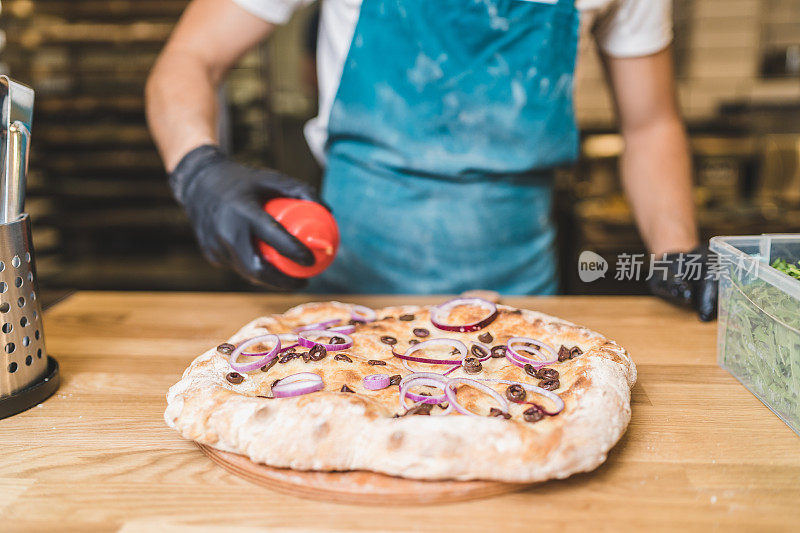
[{"x": 347, "y": 426}]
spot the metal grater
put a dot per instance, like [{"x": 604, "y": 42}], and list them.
[{"x": 27, "y": 374}]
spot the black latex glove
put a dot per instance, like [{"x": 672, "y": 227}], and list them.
[
  {"x": 224, "y": 201},
  {"x": 685, "y": 284}
]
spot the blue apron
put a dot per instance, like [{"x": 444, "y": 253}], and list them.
[{"x": 449, "y": 117}]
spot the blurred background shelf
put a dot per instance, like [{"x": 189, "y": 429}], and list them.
[{"x": 103, "y": 215}]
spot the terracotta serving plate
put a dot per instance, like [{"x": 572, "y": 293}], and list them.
[{"x": 359, "y": 487}]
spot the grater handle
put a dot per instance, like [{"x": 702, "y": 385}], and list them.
[
  {"x": 19, "y": 140},
  {"x": 16, "y": 111}
]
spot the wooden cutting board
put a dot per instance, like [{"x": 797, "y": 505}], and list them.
[
  {"x": 359, "y": 487},
  {"x": 701, "y": 453}
]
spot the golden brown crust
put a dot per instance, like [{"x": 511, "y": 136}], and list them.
[{"x": 332, "y": 430}]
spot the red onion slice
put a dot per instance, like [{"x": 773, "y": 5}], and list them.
[
  {"x": 418, "y": 371},
  {"x": 407, "y": 366},
  {"x": 439, "y": 383},
  {"x": 552, "y": 396},
  {"x": 284, "y": 337},
  {"x": 257, "y": 354},
  {"x": 456, "y": 367},
  {"x": 438, "y": 314},
  {"x": 457, "y": 364},
  {"x": 419, "y": 397},
  {"x": 287, "y": 348},
  {"x": 376, "y": 381},
  {"x": 547, "y": 355},
  {"x": 458, "y": 345},
  {"x": 451, "y": 395},
  {"x": 304, "y": 341},
  {"x": 362, "y": 313},
  {"x": 300, "y": 376},
  {"x": 297, "y": 385},
  {"x": 347, "y": 330},
  {"x": 415, "y": 375},
  {"x": 253, "y": 365},
  {"x": 325, "y": 324}
]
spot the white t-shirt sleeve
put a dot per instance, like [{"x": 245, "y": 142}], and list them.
[
  {"x": 275, "y": 11},
  {"x": 631, "y": 28}
]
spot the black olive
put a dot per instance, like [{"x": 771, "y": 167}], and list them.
[
  {"x": 494, "y": 411},
  {"x": 317, "y": 352},
  {"x": 516, "y": 393},
  {"x": 478, "y": 351},
  {"x": 226, "y": 348},
  {"x": 285, "y": 358},
  {"x": 498, "y": 351},
  {"x": 547, "y": 373},
  {"x": 563, "y": 354},
  {"x": 419, "y": 409},
  {"x": 549, "y": 384},
  {"x": 533, "y": 414},
  {"x": 234, "y": 377},
  {"x": 472, "y": 365}
]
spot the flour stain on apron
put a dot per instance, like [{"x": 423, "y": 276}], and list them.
[{"x": 449, "y": 118}]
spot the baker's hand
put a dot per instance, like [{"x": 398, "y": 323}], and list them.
[
  {"x": 224, "y": 201},
  {"x": 684, "y": 279}
]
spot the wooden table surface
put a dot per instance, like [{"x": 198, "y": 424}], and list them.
[{"x": 701, "y": 453}]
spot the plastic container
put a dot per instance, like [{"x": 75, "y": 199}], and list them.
[
  {"x": 313, "y": 225},
  {"x": 758, "y": 339}
]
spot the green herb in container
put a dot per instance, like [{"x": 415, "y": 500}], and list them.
[{"x": 759, "y": 318}]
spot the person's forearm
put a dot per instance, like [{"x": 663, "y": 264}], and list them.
[
  {"x": 656, "y": 175},
  {"x": 181, "y": 105},
  {"x": 180, "y": 95}
]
